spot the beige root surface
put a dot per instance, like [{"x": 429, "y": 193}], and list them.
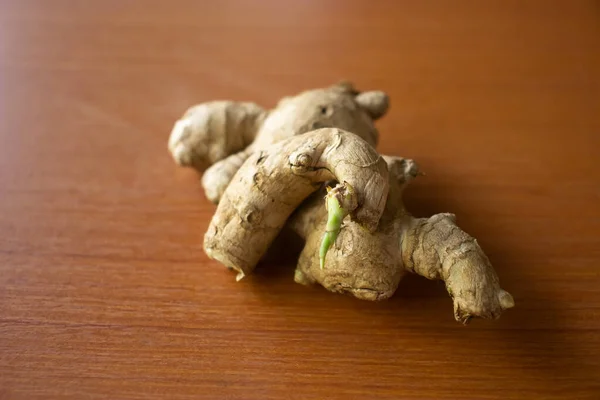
[
  {"x": 211, "y": 131},
  {"x": 438, "y": 249},
  {"x": 216, "y": 178},
  {"x": 370, "y": 265},
  {"x": 273, "y": 182},
  {"x": 225, "y": 133},
  {"x": 364, "y": 264},
  {"x": 264, "y": 164}
]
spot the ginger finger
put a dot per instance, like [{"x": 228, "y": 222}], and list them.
[
  {"x": 438, "y": 249},
  {"x": 369, "y": 265},
  {"x": 274, "y": 181},
  {"x": 211, "y": 131}
]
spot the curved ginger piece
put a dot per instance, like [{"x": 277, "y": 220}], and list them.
[
  {"x": 370, "y": 265},
  {"x": 225, "y": 133},
  {"x": 211, "y": 131},
  {"x": 273, "y": 182}
]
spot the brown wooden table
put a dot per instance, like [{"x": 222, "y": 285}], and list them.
[{"x": 105, "y": 292}]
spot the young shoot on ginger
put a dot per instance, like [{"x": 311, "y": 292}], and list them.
[{"x": 336, "y": 212}]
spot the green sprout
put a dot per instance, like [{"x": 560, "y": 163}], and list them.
[{"x": 335, "y": 215}]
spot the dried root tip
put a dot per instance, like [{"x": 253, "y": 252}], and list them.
[
  {"x": 339, "y": 202},
  {"x": 375, "y": 103},
  {"x": 240, "y": 276},
  {"x": 300, "y": 278},
  {"x": 506, "y": 299},
  {"x": 403, "y": 169}
]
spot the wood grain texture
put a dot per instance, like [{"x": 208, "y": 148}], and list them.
[{"x": 105, "y": 292}]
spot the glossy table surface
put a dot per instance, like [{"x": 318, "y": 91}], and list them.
[{"x": 105, "y": 292}]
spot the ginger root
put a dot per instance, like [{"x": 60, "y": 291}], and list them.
[
  {"x": 370, "y": 266},
  {"x": 273, "y": 182},
  {"x": 271, "y": 169}
]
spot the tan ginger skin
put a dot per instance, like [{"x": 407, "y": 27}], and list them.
[{"x": 269, "y": 168}]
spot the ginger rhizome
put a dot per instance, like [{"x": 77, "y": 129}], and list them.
[{"x": 271, "y": 169}]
